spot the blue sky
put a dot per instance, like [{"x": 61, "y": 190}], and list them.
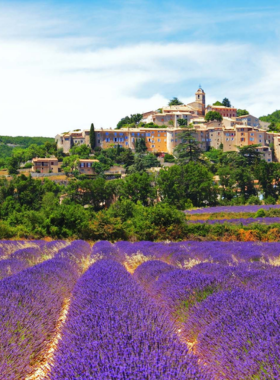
[{"x": 65, "y": 64}]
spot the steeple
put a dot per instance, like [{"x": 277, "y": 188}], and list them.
[{"x": 200, "y": 96}]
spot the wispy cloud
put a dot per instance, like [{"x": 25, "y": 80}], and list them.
[{"x": 56, "y": 75}]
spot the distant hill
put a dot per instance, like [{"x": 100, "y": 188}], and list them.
[
  {"x": 9, "y": 143},
  {"x": 272, "y": 118}
]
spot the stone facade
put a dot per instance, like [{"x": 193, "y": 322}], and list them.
[{"x": 45, "y": 165}]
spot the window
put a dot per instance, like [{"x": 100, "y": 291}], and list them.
[
  {"x": 251, "y": 138},
  {"x": 82, "y": 165},
  {"x": 232, "y": 138},
  {"x": 132, "y": 134},
  {"x": 153, "y": 146},
  {"x": 158, "y": 140},
  {"x": 260, "y": 141},
  {"x": 107, "y": 140},
  {"x": 269, "y": 160},
  {"x": 126, "y": 143},
  {"x": 115, "y": 139},
  {"x": 107, "y": 133},
  {"x": 89, "y": 165},
  {"x": 148, "y": 134},
  {"x": 243, "y": 139},
  {"x": 252, "y": 134}
]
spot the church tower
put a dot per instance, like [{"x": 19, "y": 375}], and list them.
[{"x": 200, "y": 98}]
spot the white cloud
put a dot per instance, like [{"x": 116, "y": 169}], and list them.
[{"x": 58, "y": 83}]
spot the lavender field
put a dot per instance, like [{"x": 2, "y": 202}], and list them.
[
  {"x": 244, "y": 221},
  {"x": 235, "y": 209},
  {"x": 187, "y": 310}
]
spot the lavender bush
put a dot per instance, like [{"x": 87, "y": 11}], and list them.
[
  {"x": 30, "y": 305},
  {"x": 114, "y": 331},
  {"x": 248, "y": 208}
]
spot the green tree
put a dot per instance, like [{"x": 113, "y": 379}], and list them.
[
  {"x": 182, "y": 122},
  {"x": 175, "y": 102},
  {"x": 83, "y": 151},
  {"x": 92, "y": 136},
  {"x": 127, "y": 158},
  {"x": 266, "y": 173},
  {"x": 226, "y": 102},
  {"x": 249, "y": 155},
  {"x": 70, "y": 164},
  {"x": 140, "y": 146},
  {"x": 227, "y": 183},
  {"x": 272, "y": 118},
  {"x": 13, "y": 166},
  {"x": 138, "y": 187},
  {"x": 193, "y": 182},
  {"x": 188, "y": 149},
  {"x": 217, "y": 103},
  {"x": 133, "y": 119},
  {"x": 169, "y": 158},
  {"x": 242, "y": 112},
  {"x": 245, "y": 182},
  {"x": 213, "y": 116}
]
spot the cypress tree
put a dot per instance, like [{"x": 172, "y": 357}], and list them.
[{"x": 92, "y": 137}]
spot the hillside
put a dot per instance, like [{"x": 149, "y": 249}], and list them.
[
  {"x": 272, "y": 118},
  {"x": 9, "y": 143}
]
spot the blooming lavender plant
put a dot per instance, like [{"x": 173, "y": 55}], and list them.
[
  {"x": 217, "y": 209},
  {"x": 114, "y": 331}
]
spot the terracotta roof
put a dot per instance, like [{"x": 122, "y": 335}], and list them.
[
  {"x": 86, "y": 160},
  {"x": 45, "y": 159}
]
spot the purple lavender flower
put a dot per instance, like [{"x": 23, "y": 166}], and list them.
[{"x": 114, "y": 331}]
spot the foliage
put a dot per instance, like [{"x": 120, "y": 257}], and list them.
[
  {"x": 272, "y": 118},
  {"x": 217, "y": 103},
  {"x": 140, "y": 145},
  {"x": 135, "y": 119},
  {"x": 92, "y": 137},
  {"x": 242, "y": 112},
  {"x": 169, "y": 158},
  {"x": 83, "y": 151},
  {"x": 180, "y": 184},
  {"x": 13, "y": 166},
  {"x": 175, "y": 102},
  {"x": 226, "y": 102},
  {"x": 138, "y": 187},
  {"x": 188, "y": 150},
  {"x": 182, "y": 122},
  {"x": 213, "y": 116}
]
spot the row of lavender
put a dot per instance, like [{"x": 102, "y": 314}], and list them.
[
  {"x": 226, "y": 306},
  {"x": 226, "y": 209},
  {"x": 189, "y": 253},
  {"x": 243, "y": 221},
  {"x": 31, "y": 303}
]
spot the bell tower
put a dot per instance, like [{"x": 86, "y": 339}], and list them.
[{"x": 200, "y": 98}]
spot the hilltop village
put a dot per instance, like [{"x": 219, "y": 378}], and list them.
[{"x": 229, "y": 132}]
